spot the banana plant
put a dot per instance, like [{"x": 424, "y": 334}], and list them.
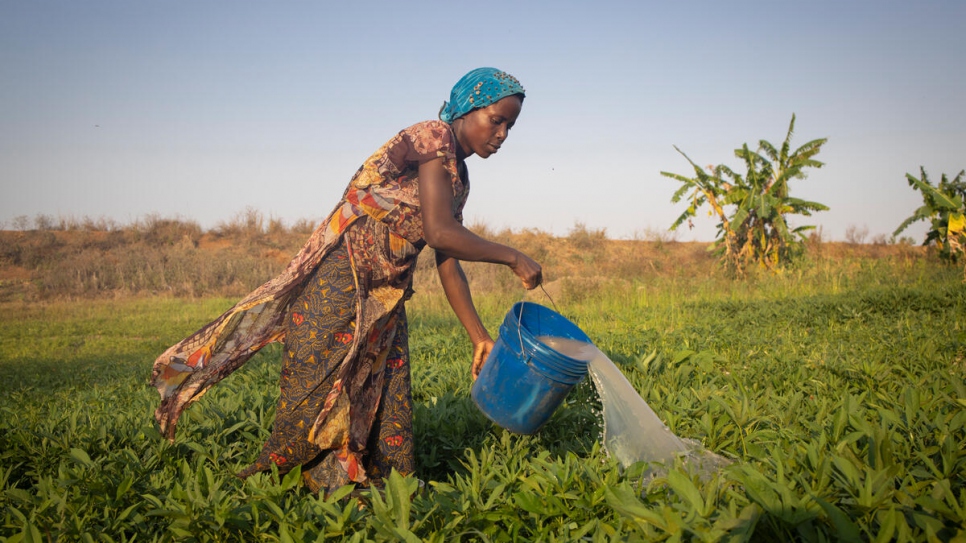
[
  {"x": 753, "y": 208},
  {"x": 943, "y": 206}
]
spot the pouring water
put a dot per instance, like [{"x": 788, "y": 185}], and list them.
[{"x": 632, "y": 431}]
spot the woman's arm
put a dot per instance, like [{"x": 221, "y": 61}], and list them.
[
  {"x": 458, "y": 293},
  {"x": 453, "y": 242},
  {"x": 446, "y": 235}
]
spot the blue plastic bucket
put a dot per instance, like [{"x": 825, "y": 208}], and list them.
[{"x": 524, "y": 381}]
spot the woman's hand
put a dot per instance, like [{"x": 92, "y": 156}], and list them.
[
  {"x": 528, "y": 271},
  {"x": 481, "y": 350},
  {"x": 446, "y": 235}
]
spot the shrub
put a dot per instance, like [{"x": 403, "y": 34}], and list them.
[
  {"x": 753, "y": 208},
  {"x": 586, "y": 239},
  {"x": 944, "y": 206},
  {"x": 856, "y": 235},
  {"x": 159, "y": 231}
]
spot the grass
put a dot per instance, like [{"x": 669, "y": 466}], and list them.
[{"x": 836, "y": 388}]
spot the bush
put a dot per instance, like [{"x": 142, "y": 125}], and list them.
[
  {"x": 159, "y": 231},
  {"x": 753, "y": 209}
]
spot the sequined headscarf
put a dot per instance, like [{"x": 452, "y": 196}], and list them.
[{"x": 479, "y": 88}]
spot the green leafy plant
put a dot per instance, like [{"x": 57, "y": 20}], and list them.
[
  {"x": 944, "y": 206},
  {"x": 753, "y": 208},
  {"x": 839, "y": 392}
]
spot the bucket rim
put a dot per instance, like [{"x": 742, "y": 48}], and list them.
[
  {"x": 532, "y": 348},
  {"x": 517, "y": 313},
  {"x": 526, "y": 342},
  {"x": 559, "y": 376},
  {"x": 573, "y": 370}
]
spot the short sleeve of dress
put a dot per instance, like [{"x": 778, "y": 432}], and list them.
[
  {"x": 434, "y": 139},
  {"x": 386, "y": 186},
  {"x": 428, "y": 141}
]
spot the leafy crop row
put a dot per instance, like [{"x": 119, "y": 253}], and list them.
[{"x": 840, "y": 397}]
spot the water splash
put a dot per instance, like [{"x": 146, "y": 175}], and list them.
[{"x": 632, "y": 431}]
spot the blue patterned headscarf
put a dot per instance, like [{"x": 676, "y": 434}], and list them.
[{"x": 479, "y": 88}]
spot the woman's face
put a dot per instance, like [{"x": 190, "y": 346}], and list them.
[{"x": 482, "y": 131}]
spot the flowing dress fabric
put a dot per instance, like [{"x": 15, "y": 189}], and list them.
[
  {"x": 378, "y": 226},
  {"x": 321, "y": 325}
]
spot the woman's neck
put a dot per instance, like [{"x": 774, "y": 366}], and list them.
[{"x": 461, "y": 152}]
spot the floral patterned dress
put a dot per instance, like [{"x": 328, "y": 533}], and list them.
[{"x": 345, "y": 408}]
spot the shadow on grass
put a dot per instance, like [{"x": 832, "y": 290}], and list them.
[
  {"x": 446, "y": 429},
  {"x": 49, "y": 376}
]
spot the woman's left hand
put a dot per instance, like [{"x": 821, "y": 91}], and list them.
[{"x": 480, "y": 351}]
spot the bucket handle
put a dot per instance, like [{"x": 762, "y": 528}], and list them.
[
  {"x": 523, "y": 350},
  {"x": 547, "y": 294}
]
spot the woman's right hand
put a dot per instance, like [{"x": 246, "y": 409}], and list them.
[
  {"x": 528, "y": 271},
  {"x": 481, "y": 350}
]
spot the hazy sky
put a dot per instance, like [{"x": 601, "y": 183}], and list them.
[{"x": 202, "y": 109}]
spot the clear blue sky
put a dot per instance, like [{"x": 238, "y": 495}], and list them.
[{"x": 199, "y": 110}]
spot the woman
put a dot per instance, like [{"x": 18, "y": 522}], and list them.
[{"x": 345, "y": 411}]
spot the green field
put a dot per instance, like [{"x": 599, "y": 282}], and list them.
[{"x": 837, "y": 389}]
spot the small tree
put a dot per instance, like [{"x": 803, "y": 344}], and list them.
[
  {"x": 753, "y": 208},
  {"x": 943, "y": 207}
]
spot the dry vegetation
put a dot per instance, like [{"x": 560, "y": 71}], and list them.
[{"x": 155, "y": 255}]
